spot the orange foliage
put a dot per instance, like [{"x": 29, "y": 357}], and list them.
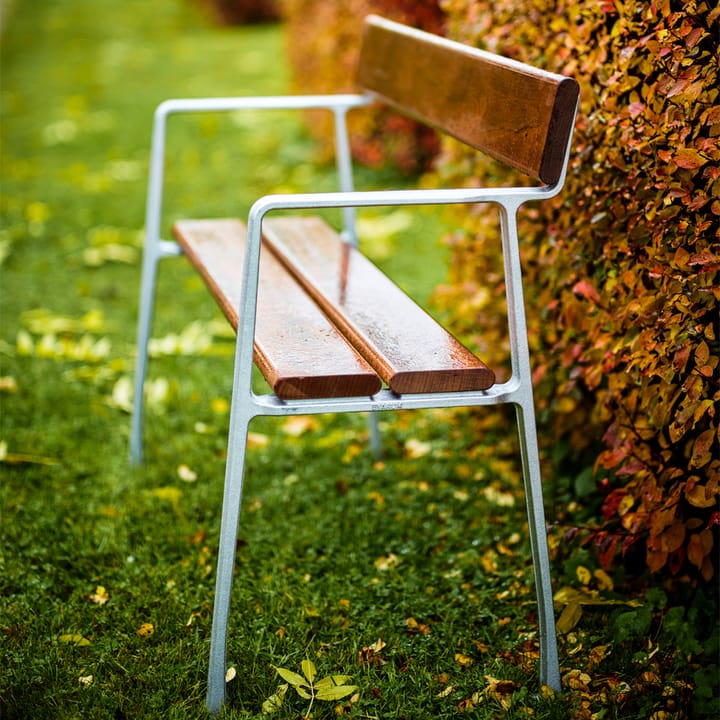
[
  {"x": 622, "y": 268},
  {"x": 323, "y": 42}
]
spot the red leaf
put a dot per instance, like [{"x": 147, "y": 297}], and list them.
[{"x": 584, "y": 289}]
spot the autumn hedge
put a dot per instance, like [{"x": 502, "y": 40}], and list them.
[
  {"x": 241, "y": 12},
  {"x": 622, "y": 268},
  {"x": 323, "y": 44}
]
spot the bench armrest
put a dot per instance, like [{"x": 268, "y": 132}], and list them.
[
  {"x": 338, "y": 104},
  {"x": 510, "y": 198},
  {"x": 270, "y": 102}
]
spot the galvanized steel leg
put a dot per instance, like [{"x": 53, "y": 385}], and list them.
[
  {"x": 549, "y": 664},
  {"x": 232, "y": 500},
  {"x": 147, "y": 302},
  {"x": 375, "y": 436}
]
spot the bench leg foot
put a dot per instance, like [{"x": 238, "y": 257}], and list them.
[
  {"x": 232, "y": 500},
  {"x": 549, "y": 664}
]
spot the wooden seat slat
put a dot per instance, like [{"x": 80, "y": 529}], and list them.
[
  {"x": 410, "y": 351},
  {"x": 296, "y": 348}
]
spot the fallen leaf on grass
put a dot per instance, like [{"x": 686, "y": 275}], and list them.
[
  {"x": 498, "y": 497},
  {"x": 330, "y": 688},
  {"x": 112, "y": 252},
  {"x": 416, "y": 449},
  {"x": 378, "y": 498},
  {"x": 172, "y": 495},
  {"x": 186, "y": 474},
  {"x": 299, "y": 425},
  {"x": 370, "y": 655},
  {"x": 74, "y": 639},
  {"x": 146, "y": 630},
  {"x": 415, "y": 627},
  {"x": 100, "y": 596},
  {"x": 257, "y": 440},
  {"x": 86, "y": 680},
  {"x": 501, "y": 690},
  {"x": 41, "y": 321},
  {"x": 8, "y": 384},
  {"x": 220, "y": 406},
  {"x": 577, "y": 680},
  {"x": 572, "y": 601},
  {"x": 22, "y": 458},
  {"x": 274, "y": 702},
  {"x": 387, "y": 562}
]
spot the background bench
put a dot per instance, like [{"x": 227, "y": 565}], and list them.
[{"x": 328, "y": 330}]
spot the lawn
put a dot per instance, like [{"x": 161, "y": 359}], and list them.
[{"x": 411, "y": 575}]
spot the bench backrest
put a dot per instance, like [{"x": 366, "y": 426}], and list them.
[{"x": 511, "y": 111}]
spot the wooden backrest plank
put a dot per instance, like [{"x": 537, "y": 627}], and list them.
[
  {"x": 410, "y": 351},
  {"x": 297, "y": 349},
  {"x": 513, "y": 112}
]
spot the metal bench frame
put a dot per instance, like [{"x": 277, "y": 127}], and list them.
[{"x": 246, "y": 405}]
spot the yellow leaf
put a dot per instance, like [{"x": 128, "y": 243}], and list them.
[
  {"x": 378, "y": 498},
  {"x": 257, "y": 440},
  {"x": 498, "y": 497},
  {"x": 378, "y": 645},
  {"x": 415, "y": 627},
  {"x": 463, "y": 660},
  {"x": 597, "y": 654},
  {"x": 569, "y": 618},
  {"x": 8, "y": 384},
  {"x": 583, "y": 575},
  {"x": 577, "y": 680},
  {"x": 86, "y": 680},
  {"x": 387, "y": 562},
  {"x": 145, "y": 630},
  {"x": 308, "y": 668},
  {"x": 604, "y": 581},
  {"x": 169, "y": 494},
  {"x": 74, "y": 639},
  {"x": 699, "y": 496},
  {"x": 416, "y": 449},
  {"x": 299, "y": 425},
  {"x": 100, "y": 596},
  {"x": 220, "y": 406},
  {"x": 230, "y": 674},
  {"x": 186, "y": 474}
]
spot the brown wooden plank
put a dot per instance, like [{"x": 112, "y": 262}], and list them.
[
  {"x": 297, "y": 349},
  {"x": 512, "y": 111},
  {"x": 405, "y": 346}
]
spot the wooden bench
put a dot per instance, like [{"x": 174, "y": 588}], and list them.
[{"x": 328, "y": 330}]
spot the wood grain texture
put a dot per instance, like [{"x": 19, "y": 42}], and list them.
[
  {"x": 410, "y": 351},
  {"x": 511, "y": 111},
  {"x": 297, "y": 349}
]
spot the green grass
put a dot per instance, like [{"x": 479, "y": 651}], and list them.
[{"x": 426, "y": 550}]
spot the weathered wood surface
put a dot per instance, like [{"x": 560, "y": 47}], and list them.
[
  {"x": 516, "y": 113},
  {"x": 297, "y": 349},
  {"x": 410, "y": 351}
]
